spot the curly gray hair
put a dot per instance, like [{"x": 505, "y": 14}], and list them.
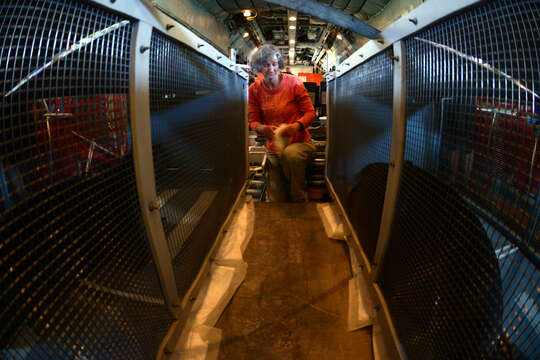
[{"x": 263, "y": 55}]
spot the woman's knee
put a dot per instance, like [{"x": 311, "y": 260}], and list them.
[{"x": 293, "y": 154}]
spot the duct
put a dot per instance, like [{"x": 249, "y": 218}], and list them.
[
  {"x": 214, "y": 8},
  {"x": 307, "y": 45},
  {"x": 257, "y": 30},
  {"x": 329, "y": 14},
  {"x": 315, "y": 21},
  {"x": 312, "y": 35},
  {"x": 319, "y": 45}
]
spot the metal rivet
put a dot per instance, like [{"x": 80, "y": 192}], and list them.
[
  {"x": 169, "y": 26},
  {"x": 200, "y": 46},
  {"x": 153, "y": 205},
  {"x": 113, "y": 1},
  {"x": 219, "y": 57},
  {"x": 361, "y": 55},
  {"x": 347, "y": 64},
  {"x": 144, "y": 48},
  {"x": 414, "y": 21}
]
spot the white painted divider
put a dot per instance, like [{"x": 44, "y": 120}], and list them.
[
  {"x": 333, "y": 226},
  {"x": 361, "y": 309},
  {"x": 199, "y": 339}
]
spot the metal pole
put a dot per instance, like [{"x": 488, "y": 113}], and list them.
[
  {"x": 397, "y": 149},
  {"x": 144, "y": 164}
]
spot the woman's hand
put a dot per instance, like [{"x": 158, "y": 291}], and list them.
[
  {"x": 291, "y": 129},
  {"x": 266, "y": 130}
]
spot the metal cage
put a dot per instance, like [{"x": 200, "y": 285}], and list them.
[
  {"x": 459, "y": 272},
  {"x": 361, "y": 135},
  {"x": 79, "y": 274},
  {"x": 197, "y": 110}
]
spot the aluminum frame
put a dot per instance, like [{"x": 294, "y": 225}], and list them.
[
  {"x": 418, "y": 19},
  {"x": 397, "y": 150},
  {"x": 148, "y": 19},
  {"x": 144, "y": 164}
]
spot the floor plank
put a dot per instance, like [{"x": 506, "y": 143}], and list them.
[{"x": 293, "y": 302}]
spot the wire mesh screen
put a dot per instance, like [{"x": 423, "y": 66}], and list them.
[
  {"x": 462, "y": 270},
  {"x": 360, "y": 128},
  {"x": 77, "y": 278},
  {"x": 199, "y": 146}
]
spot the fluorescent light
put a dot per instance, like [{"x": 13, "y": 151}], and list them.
[
  {"x": 339, "y": 37},
  {"x": 292, "y": 18},
  {"x": 292, "y": 27},
  {"x": 292, "y": 41},
  {"x": 245, "y": 35},
  {"x": 247, "y": 13}
]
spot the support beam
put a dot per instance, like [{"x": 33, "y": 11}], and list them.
[
  {"x": 144, "y": 164},
  {"x": 334, "y": 16}
]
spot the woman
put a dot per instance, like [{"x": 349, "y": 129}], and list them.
[{"x": 278, "y": 99}]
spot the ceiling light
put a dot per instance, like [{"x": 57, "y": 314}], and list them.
[
  {"x": 249, "y": 14},
  {"x": 292, "y": 27},
  {"x": 339, "y": 37},
  {"x": 245, "y": 35},
  {"x": 292, "y": 18},
  {"x": 292, "y": 41}
]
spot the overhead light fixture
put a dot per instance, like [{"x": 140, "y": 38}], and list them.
[
  {"x": 249, "y": 14},
  {"x": 292, "y": 18},
  {"x": 292, "y": 27},
  {"x": 292, "y": 41},
  {"x": 245, "y": 35},
  {"x": 339, "y": 37}
]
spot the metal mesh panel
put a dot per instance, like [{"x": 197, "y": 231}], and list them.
[
  {"x": 77, "y": 278},
  {"x": 361, "y": 125},
  {"x": 199, "y": 145},
  {"x": 462, "y": 270}
]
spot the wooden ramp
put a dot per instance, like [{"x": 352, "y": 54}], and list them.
[{"x": 293, "y": 302}]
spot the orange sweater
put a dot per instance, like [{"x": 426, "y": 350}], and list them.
[{"x": 288, "y": 103}]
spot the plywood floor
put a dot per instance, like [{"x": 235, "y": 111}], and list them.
[{"x": 293, "y": 302}]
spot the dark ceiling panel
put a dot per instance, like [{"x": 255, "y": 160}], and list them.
[{"x": 272, "y": 20}]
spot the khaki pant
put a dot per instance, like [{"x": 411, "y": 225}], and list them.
[{"x": 286, "y": 174}]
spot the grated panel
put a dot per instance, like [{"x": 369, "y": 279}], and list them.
[
  {"x": 77, "y": 277},
  {"x": 462, "y": 270},
  {"x": 360, "y": 131},
  {"x": 199, "y": 147}
]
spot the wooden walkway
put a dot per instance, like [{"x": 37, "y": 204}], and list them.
[{"x": 293, "y": 302}]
